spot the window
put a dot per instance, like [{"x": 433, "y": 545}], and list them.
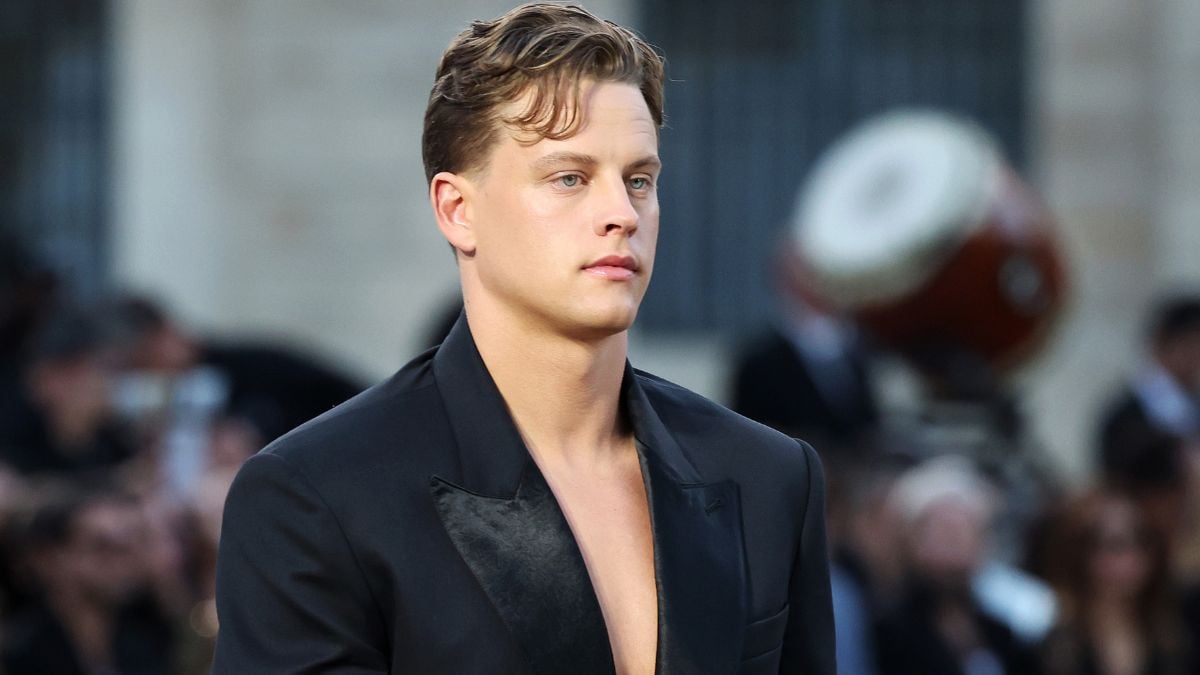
[
  {"x": 759, "y": 89},
  {"x": 54, "y": 133}
]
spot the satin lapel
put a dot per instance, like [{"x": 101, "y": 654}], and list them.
[
  {"x": 698, "y": 554},
  {"x": 523, "y": 554},
  {"x": 507, "y": 526}
]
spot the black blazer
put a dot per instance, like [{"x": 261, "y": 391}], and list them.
[
  {"x": 1135, "y": 450},
  {"x": 409, "y": 531},
  {"x": 774, "y": 384}
]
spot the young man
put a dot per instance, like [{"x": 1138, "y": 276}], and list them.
[{"x": 520, "y": 500}]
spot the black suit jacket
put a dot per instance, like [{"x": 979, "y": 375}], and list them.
[
  {"x": 775, "y": 385},
  {"x": 410, "y": 531},
  {"x": 1134, "y": 450}
]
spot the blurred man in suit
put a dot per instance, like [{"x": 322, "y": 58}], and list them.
[{"x": 1150, "y": 433}]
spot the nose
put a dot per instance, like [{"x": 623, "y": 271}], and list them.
[{"x": 616, "y": 213}]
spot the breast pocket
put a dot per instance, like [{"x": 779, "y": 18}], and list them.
[{"x": 763, "y": 643}]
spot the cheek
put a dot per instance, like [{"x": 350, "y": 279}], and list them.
[
  {"x": 648, "y": 254},
  {"x": 518, "y": 218},
  {"x": 648, "y": 212},
  {"x": 648, "y": 231}
]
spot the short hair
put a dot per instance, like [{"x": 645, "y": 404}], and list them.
[
  {"x": 50, "y": 522},
  {"x": 130, "y": 317},
  {"x": 550, "y": 48},
  {"x": 71, "y": 331},
  {"x": 1175, "y": 317}
]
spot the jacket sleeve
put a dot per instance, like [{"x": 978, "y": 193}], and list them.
[
  {"x": 291, "y": 597},
  {"x": 808, "y": 644}
]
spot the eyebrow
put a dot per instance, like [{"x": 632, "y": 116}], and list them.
[
  {"x": 650, "y": 162},
  {"x": 556, "y": 159}
]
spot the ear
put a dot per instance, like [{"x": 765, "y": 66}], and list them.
[{"x": 449, "y": 194}]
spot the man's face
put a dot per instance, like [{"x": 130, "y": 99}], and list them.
[
  {"x": 947, "y": 542},
  {"x": 565, "y": 230},
  {"x": 103, "y": 558}
]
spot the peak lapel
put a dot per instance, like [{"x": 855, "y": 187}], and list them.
[
  {"x": 523, "y": 554},
  {"x": 507, "y": 527},
  {"x": 698, "y": 555}
]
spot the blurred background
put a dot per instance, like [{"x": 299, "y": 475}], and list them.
[{"x": 215, "y": 226}]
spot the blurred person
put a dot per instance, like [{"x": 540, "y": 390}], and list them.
[
  {"x": 1161, "y": 399},
  {"x": 938, "y": 626},
  {"x": 63, "y": 421},
  {"x": 15, "y": 493},
  {"x": 95, "y": 613},
  {"x": 274, "y": 388},
  {"x": 807, "y": 375},
  {"x": 521, "y": 499},
  {"x": 1163, "y": 482},
  {"x": 864, "y": 535},
  {"x": 178, "y": 388},
  {"x": 232, "y": 443},
  {"x": 865, "y": 526},
  {"x": 1111, "y": 572},
  {"x": 29, "y": 291},
  {"x": 1149, "y": 437}
]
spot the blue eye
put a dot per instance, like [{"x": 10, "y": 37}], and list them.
[
  {"x": 570, "y": 180},
  {"x": 639, "y": 183}
]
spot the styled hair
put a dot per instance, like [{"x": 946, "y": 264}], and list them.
[
  {"x": 49, "y": 521},
  {"x": 1175, "y": 317},
  {"x": 545, "y": 49}
]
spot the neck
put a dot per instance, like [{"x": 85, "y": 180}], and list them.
[{"x": 563, "y": 393}]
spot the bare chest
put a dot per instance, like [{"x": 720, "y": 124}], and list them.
[{"x": 610, "y": 520}]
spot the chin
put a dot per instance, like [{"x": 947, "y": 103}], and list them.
[{"x": 601, "y": 324}]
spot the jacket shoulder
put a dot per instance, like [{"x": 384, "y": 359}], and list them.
[
  {"x": 386, "y": 426},
  {"x": 721, "y": 437}
]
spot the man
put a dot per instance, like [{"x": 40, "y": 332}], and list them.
[
  {"x": 271, "y": 387},
  {"x": 95, "y": 611},
  {"x": 1163, "y": 399},
  {"x": 808, "y": 375},
  {"x": 1150, "y": 433},
  {"x": 520, "y": 500},
  {"x": 61, "y": 421},
  {"x": 939, "y": 626}
]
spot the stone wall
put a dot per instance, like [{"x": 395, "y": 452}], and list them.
[
  {"x": 268, "y": 179},
  {"x": 268, "y": 169},
  {"x": 1117, "y": 154}
]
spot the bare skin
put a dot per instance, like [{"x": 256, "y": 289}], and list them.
[
  {"x": 605, "y": 505},
  {"x": 565, "y": 403},
  {"x": 531, "y": 229}
]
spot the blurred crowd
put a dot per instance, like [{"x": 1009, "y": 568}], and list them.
[
  {"x": 120, "y": 433},
  {"x": 956, "y": 550}
]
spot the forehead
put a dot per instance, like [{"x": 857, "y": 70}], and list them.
[{"x": 107, "y": 515}]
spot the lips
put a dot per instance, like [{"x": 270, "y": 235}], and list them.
[{"x": 615, "y": 267}]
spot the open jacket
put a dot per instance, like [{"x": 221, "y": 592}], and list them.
[{"x": 410, "y": 531}]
